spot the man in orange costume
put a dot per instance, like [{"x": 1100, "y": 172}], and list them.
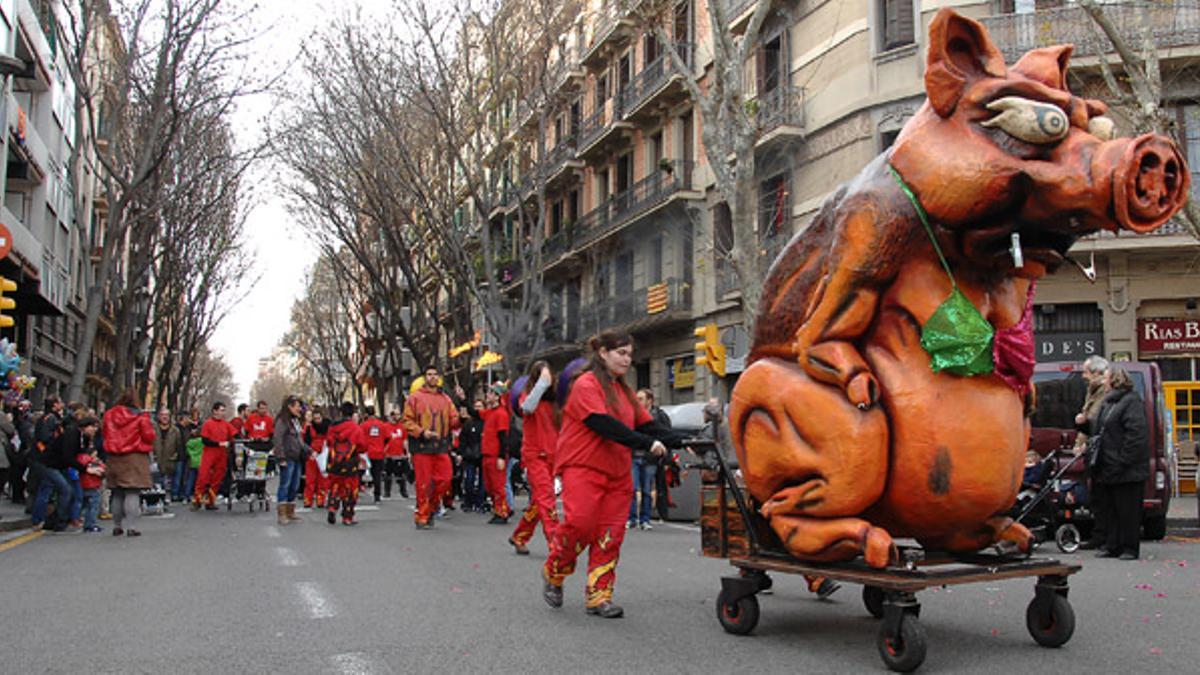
[
  {"x": 216, "y": 434},
  {"x": 429, "y": 419},
  {"x": 495, "y": 456},
  {"x": 537, "y": 454},
  {"x": 343, "y": 466}
]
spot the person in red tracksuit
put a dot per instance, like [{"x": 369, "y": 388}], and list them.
[
  {"x": 537, "y": 455},
  {"x": 601, "y": 423},
  {"x": 343, "y": 466},
  {"x": 495, "y": 434},
  {"x": 394, "y": 453},
  {"x": 372, "y": 436},
  {"x": 316, "y": 485},
  {"x": 259, "y": 425},
  {"x": 239, "y": 421},
  {"x": 216, "y": 434},
  {"x": 429, "y": 419}
]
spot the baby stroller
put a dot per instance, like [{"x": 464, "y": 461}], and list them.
[
  {"x": 1053, "y": 506},
  {"x": 153, "y": 501},
  {"x": 250, "y": 461}
]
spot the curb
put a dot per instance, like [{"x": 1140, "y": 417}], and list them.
[{"x": 21, "y": 523}]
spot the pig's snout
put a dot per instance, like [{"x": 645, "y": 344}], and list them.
[{"x": 1150, "y": 182}]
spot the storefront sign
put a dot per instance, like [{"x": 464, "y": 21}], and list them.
[
  {"x": 681, "y": 373},
  {"x": 1067, "y": 346},
  {"x": 1160, "y": 337}
]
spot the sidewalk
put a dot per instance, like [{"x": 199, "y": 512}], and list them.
[
  {"x": 12, "y": 516},
  {"x": 1183, "y": 516}
]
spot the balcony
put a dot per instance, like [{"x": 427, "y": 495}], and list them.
[
  {"x": 644, "y": 309},
  {"x": 674, "y": 179},
  {"x": 560, "y": 161},
  {"x": 780, "y": 115},
  {"x": 738, "y": 13},
  {"x": 597, "y": 130},
  {"x": 657, "y": 86},
  {"x": 28, "y": 157},
  {"x": 612, "y": 29},
  {"x": 55, "y": 282},
  {"x": 1172, "y": 24}
]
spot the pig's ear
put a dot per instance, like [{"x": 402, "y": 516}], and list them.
[
  {"x": 1047, "y": 65},
  {"x": 959, "y": 51}
]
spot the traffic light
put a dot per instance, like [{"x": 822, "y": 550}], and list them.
[
  {"x": 710, "y": 353},
  {"x": 7, "y": 304}
]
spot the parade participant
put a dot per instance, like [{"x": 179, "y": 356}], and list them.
[
  {"x": 217, "y": 435},
  {"x": 292, "y": 452},
  {"x": 495, "y": 437},
  {"x": 395, "y": 457},
  {"x": 601, "y": 422},
  {"x": 429, "y": 417},
  {"x": 128, "y": 441},
  {"x": 316, "y": 484},
  {"x": 372, "y": 436},
  {"x": 239, "y": 422},
  {"x": 259, "y": 425},
  {"x": 542, "y": 418},
  {"x": 343, "y": 465},
  {"x": 469, "y": 438}
]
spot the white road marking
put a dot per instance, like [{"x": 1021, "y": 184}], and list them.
[
  {"x": 354, "y": 663},
  {"x": 677, "y": 526},
  {"x": 287, "y": 557},
  {"x": 315, "y": 601},
  {"x": 273, "y": 532},
  {"x": 369, "y": 507}
]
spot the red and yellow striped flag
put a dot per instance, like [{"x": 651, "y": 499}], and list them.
[{"x": 656, "y": 298}]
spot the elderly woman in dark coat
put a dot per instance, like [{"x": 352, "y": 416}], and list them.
[{"x": 1120, "y": 465}]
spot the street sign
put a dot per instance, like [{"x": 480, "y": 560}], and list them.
[{"x": 5, "y": 241}]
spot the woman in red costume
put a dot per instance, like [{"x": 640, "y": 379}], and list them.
[
  {"x": 601, "y": 422},
  {"x": 542, "y": 418}
]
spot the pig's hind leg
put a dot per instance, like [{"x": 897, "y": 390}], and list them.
[{"x": 812, "y": 460}]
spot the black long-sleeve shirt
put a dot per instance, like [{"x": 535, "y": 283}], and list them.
[{"x": 637, "y": 439}]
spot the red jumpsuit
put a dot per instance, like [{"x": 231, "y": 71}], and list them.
[
  {"x": 372, "y": 436},
  {"x": 495, "y": 479},
  {"x": 214, "y": 460},
  {"x": 316, "y": 486},
  {"x": 430, "y": 410},
  {"x": 394, "y": 454},
  {"x": 537, "y": 454},
  {"x": 343, "y": 470},
  {"x": 597, "y": 487}
]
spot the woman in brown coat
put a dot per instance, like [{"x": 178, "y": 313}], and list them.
[{"x": 128, "y": 440}]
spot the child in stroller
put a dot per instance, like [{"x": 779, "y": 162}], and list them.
[{"x": 1052, "y": 504}]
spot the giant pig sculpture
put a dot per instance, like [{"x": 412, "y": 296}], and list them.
[{"x": 848, "y": 432}]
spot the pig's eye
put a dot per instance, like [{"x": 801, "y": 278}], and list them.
[{"x": 1029, "y": 120}]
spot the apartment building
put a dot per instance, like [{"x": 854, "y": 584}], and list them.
[
  {"x": 635, "y": 231},
  {"x": 53, "y": 251}
]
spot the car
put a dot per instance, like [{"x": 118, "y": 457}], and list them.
[{"x": 1061, "y": 389}]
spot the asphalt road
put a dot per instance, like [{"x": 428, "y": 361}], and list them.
[{"x": 222, "y": 592}]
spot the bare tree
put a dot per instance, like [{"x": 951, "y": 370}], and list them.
[
  {"x": 211, "y": 380},
  {"x": 138, "y": 77}
]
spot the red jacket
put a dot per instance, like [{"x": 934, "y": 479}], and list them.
[
  {"x": 343, "y": 451},
  {"x": 259, "y": 427},
  {"x": 126, "y": 431},
  {"x": 372, "y": 435},
  {"x": 89, "y": 481},
  {"x": 395, "y": 442}
]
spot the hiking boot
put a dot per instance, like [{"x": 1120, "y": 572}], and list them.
[
  {"x": 331, "y": 518},
  {"x": 521, "y": 549},
  {"x": 553, "y": 595},
  {"x": 281, "y": 515},
  {"x": 606, "y": 610},
  {"x": 497, "y": 520},
  {"x": 827, "y": 588}
]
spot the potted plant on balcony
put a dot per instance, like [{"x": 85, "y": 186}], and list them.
[{"x": 666, "y": 165}]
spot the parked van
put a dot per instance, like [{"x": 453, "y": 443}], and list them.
[{"x": 1061, "y": 391}]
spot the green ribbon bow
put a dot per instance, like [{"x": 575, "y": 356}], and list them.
[{"x": 957, "y": 337}]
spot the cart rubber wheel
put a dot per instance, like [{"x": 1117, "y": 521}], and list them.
[
  {"x": 1067, "y": 537},
  {"x": 1052, "y": 625},
  {"x": 872, "y": 597},
  {"x": 740, "y": 617},
  {"x": 905, "y": 651}
]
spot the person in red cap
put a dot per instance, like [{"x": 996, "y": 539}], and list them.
[
  {"x": 343, "y": 466},
  {"x": 495, "y": 456},
  {"x": 601, "y": 423},
  {"x": 217, "y": 435},
  {"x": 372, "y": 437},
  {"x": 429, "y": 419},
  {"x": 542, "y": 418},
  {"x": 316, "y": 484}
]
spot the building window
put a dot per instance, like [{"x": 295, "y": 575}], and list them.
[
  {"x": 656, "y": 260},
  {"x": 1188, "y": 119},
  {"x": 887, "y": 138},
  {"x": 897, "y": 23},
  {"x": 601, "y": 94},
  {"x": 770, "y": 63}
]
